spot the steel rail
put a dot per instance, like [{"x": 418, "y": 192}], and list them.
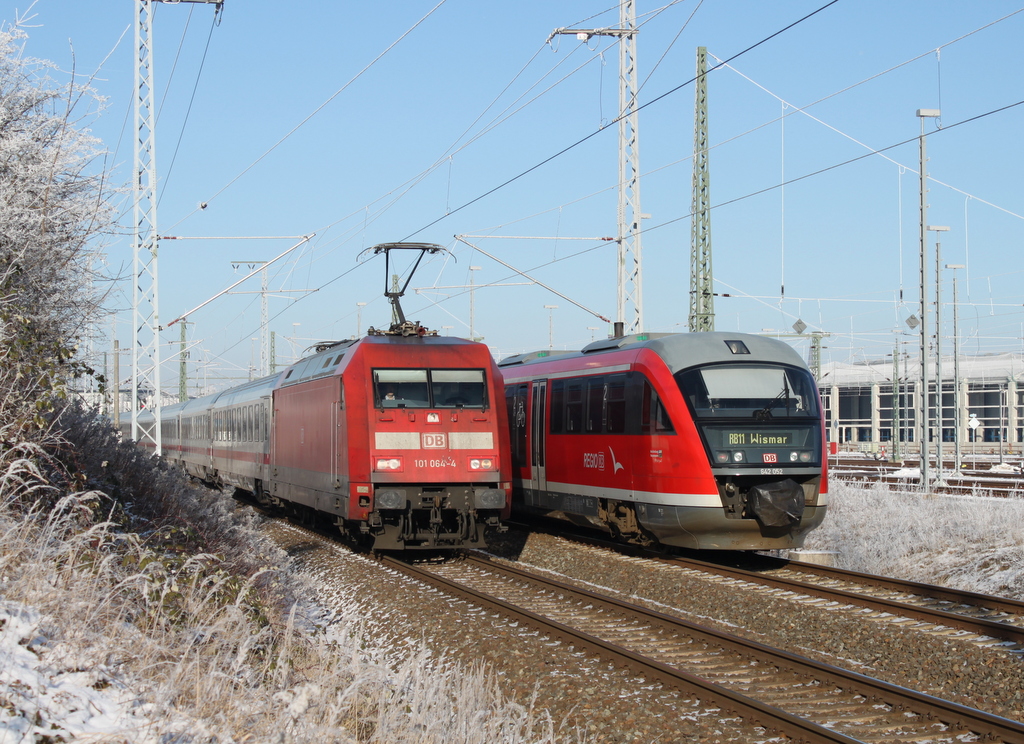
[
  {"x": 981, "y": 626},
  {"x": 751, "y": 710},
  {"x": 949, "y": 713}
]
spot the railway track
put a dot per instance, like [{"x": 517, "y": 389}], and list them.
[
  {"x": 937, "y": 609},
  {"x": 781, "y": 691}
]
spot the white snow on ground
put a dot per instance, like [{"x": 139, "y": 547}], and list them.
[
  {"x": 50, "y": 692},
  {"x": 47, "y": 692}
]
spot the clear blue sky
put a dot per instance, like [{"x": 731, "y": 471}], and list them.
[{"x": 304, "y": 118}]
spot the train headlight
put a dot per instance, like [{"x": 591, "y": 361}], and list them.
[
  {"x": 805, "y": 457},
  {"x": 482, "y": 463},
  {"x": 737, "y": 456},
  {"x": 389, "y": 464},
  {"x": 722, "y": 456},
  {"x": 793, "y": 456}
]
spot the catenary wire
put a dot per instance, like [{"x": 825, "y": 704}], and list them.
[
  {"x": 188, "y": 111},
  {"x": 316, "y": 111},
  {"x": 602, "y": 129}
]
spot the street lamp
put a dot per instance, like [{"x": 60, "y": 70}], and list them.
[
  {"x": 472, "y": 333},
  {"x": 938, "y": 346},
  {"x": 551, "y": 324},
  {"x": 593, "y": 330},
  {"x": 923, "y": 114},
  {"x": 359, "y": 319},
  {"x": 956, "y": 372}
]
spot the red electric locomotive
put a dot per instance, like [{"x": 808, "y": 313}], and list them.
[
  {"x": 399, "y": 438},
  {"x": 699, "y": 440}
]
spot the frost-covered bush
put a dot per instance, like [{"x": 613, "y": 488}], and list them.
[{"x": 53, "y": 211}]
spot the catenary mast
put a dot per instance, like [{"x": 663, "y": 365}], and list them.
[
  {"x": 702, "y": 294},
  {"x": 629, "y": 309},
  {"x": 145, "y": 300}
]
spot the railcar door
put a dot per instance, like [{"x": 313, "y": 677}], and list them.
[{"x": 538, "y": 439}]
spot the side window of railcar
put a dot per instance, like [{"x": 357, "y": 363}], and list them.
[
  {"x": 515, "y": 404},
  {"x": 574, "y": 406},
  {"x": 615, "y": 404},
  {"x": 595, "y": 404},
  {"x": 557, "y": 413},
  {"x": 654, "y": 418}
]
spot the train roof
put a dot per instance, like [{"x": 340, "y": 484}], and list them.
[
  {"x": 320, "y": 364},
  {"x": 678, "y": 350}
]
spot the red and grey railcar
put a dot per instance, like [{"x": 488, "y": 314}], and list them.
[
  {"x": 701, "y": 440},
  {"x": 399, "y": 440}
]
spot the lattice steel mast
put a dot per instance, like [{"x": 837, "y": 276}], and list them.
[
  {"x": 145, "y": 300},
  {"x": 630, "y": 306},
  {"x": 702, "y": 293}
]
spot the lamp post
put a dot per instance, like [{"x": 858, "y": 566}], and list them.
[
  {"x": 956, "y": 372},
  {"x": 293, "y": 339},
  {"x": 938, "y": 347},
  {"x": 923, "y": 114},
  {"x": 896, "y": 402},
  {"x": 551, "y": 324},
  {"x": 472, "y": 332},
  {"x": 359, "y": 318}
]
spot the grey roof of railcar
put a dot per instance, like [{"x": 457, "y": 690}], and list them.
[
  {"x": 682, "y": 350},
  {"x": 679, "y": 350}
]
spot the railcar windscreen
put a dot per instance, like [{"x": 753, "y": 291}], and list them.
[
  {"x": 749, "y": 390},
  {"x": 430, "y": 388}
]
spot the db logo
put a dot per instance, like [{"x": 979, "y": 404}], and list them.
[
  {"x": 770, "y": 457},
  {"x": 434, "y": 440}
]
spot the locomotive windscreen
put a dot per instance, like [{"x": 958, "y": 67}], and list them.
[{"x": 430, "y": 388}]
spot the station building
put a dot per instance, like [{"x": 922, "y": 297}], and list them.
[{"x": 872, "y": 406}]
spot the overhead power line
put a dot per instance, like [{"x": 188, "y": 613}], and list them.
[{"x": 593, "y": 134}]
